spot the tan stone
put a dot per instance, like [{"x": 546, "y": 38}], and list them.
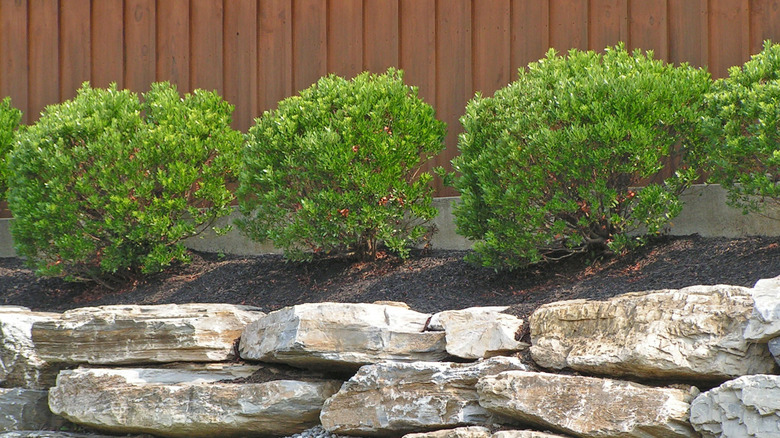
[
  {"x": 479, "y": 332},
  {"x": 458, "y": 432},
  {"x": 588, "y": 406},
  {"x": 693, "y": 333},
  {"x": 20, "y": 364}
]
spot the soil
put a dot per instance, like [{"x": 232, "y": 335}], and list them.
[{"x": 430, "y": 281}]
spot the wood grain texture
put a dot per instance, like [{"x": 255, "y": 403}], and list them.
[
  {"x": 13, "y": 52},
  {"x": 75, "y": 42},
  {"x": 241, "y": 61},
  {"x": 206, "y": 44},
  {"x": 140, "y": 44},
  {"x": 380, "y": 35},
  {"x": 648, "y": 27},
  {"x": 274, "y": 51},
  {"x": 107, "y": 43},
  {"x": 44, "y": 57},
  {"x": 345, "y": 38},
  {"x": 173, "y": 43},
  {"x": 608, "y": 23},
  {"x": 418, "y": 46},
  {"x": 569, "y": 24},
  {"x": 310, "y": 42},
  {"x": 530, "y": 32},
  {"x": 491, "y": 45},
  {"x": 688, "y": 32},
  {"x": 729, "y": 35}
]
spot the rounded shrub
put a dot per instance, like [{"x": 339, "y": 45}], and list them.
[
  {"x": 10, "y": 118},
  {"x": 548, "y": 164},
  {"x": 743, "y": 123},
  {"x": 337, "y": 169},
  {"x": 103, "y": 185}
]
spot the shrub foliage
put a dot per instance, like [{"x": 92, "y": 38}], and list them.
[
  {"x": 10, "y": 118},
  {"x": 548, "y": 163},
  {"x": 104, "y": 185},
  {"x": 337, "y": 168},
  {"x": 744, "y": 125}
]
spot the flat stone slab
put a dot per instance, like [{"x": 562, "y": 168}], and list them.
[
  {"x": 20, "y": 364},
  {"x": 481, "y": 432},
  {"x": 479, "y": 332}
]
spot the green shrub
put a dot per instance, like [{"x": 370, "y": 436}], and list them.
[
  {"x": 744, "y": 125},
  {"x": 547, "y": 164},
  {"x": 9, "y": 123},
  {"x": 104, "y": 185},
  {"x": 337, "y": 169}
]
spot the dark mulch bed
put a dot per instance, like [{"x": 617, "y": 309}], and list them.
[{"x": 430, "y": 281}]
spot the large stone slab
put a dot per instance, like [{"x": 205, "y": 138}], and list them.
[
  {"x": 55, "y": 434},
  {"x": 394, "y": 398},
  {"x": 131, "y": 334},
  {"x": 186, "y": 402},
  {"x": 341, "y": 336},
  {"x": 20, "y": 364},
  {"x": 26, "y": 409},
  {"x": 588, "y": 406},
  {"x": 479, "y": 332},
  {"x": 764, "y": 322},
  {"x": 746, "y": 407},
  {"x": 481, "y": 432},
  {"x": 693, "y": 333}
]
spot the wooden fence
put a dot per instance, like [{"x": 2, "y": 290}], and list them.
[{"x": 256, "y": 52}]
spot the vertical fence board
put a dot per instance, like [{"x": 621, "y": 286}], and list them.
[
  {"x": 274, "y": 70},
  {"x": 764, "y": 23},
  {"x": 608, "y": 23},
  {"x": 530, "y": 32},
  {"x": 491, "y": 47},
  {"x": 140, "y": 44},
  {"x": 310, "y": 57},
  {"x": 44, "y": 80},
  {"x": 173, "y": 43},
  {"x": 75, "y": 42},
  {"x": 417, "y": 49},
  {"x": 345, "y": 38},
  {"x": 729, "y": 41},
  {"x": 648, "y": 27},
  {"x": 380, "y": 35},
  {"x": 240, "y": 60},
  {"x": 107, "y": 43},
  {"x": 13, "y": 53},
  {"x": 688, "y": 32},
  {"x": 569, "y": 24},
  {"x": 206, "y": 45}
]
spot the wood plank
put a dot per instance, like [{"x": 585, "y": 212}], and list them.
[
  {"x": 206, "y": 57},
  {"x": 530, "y": 32},
  {"x": 44, "y": 76},
  {"x": 381, "y": 35},
  {"x": 764, "y": 23},
  {"x": 345, "y": 37},
  {"x": 13, "y": 54},
  {"x": 310, "y": 56},
  {"x": 569, "y": 24},
  {"x": 140, "y": 44},
  {"x": 274, "y": 50},
  {"x": 417, "y": 49},
  {"x": 75, "y": 42},
  {"x": 107, "y": 43},
  {"x": 729, "y": 35},
  {"x": 241, "y": 61},
  {"x": 688, "y": 34},
  {"x": 608, "y": 23},
  {"x": 173, "y": 43},
  {"x": 453, "y": 75},
  {"x": 491, "y": 46},
  {"x": 648, "y": 27}
]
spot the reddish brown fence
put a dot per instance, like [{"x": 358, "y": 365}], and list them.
[{"x": 256, "y": 52}]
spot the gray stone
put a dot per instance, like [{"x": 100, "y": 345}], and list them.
[
  {"x": 54, "y": 434},
  {"x": 26, "y": 409},
  {"x": 746, "y": 407},
  {"x": 458, "y": 432},
  {"x": 479, "y": 332},
  {"x": 20, "y": 364},
  {"x": 774, "y": 348},
  {"x": 764, "y": 322}
]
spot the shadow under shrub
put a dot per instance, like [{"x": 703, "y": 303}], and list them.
[
  {"x": 103, "y": 185},
  {"x": 338, "y": 168},
  {"x": 548, "y": 163}
]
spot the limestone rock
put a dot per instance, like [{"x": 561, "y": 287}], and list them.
[
  {"x": 588, "y": 406},
  {"x": 131, "y": 334},
  {"x": 341, "y": 336},
  {"x": 746, "y": 407},
  {"x": 774, "y": 348},
  {"x": 54, "y": 434},
  {"x": 393, "y": 398},
  {"x": 764, "y": 322},
  {"x": 20, "y": 364},
  {"x": 186, "y": 403},
  {"x": 479, "y": 332},
  {"x": 693, "y": 333},
  {"x": 481, "y": 432},
  {"x": 524, "y": 434},
  {"x": 26, "y": 409}
]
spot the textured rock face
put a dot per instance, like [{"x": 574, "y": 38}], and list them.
[
  {"x": 764, "y": 322},
  {"x": 587, "y": 406},
  {"x": 481, "y": 432},
  {"x": 20, "y": 364},
  {"x": 52, "y": 434},
  {"x": 479, "y": 332},
  {"x": 746, "y": 407},
  {"x": 341, "y": 336},
  {"x": 774, "y": 348},
  {"x": 392, "y": 398},
  {"x": 115, "y": 335},
  {"x": 26, "y": 409},
  {"x": 186, "y": 403},
  {"x": 692, "y": 333}
]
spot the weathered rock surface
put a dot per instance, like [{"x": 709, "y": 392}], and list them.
[
  {"x": 774, "y": 348},
  {"x": 129, "y": 334},
  {"x": 20, "y": 364},
  {"x": 393, "y": 398},
  {"x": 525, "y": 434},
  {"x": 764, "y": 322},
  {"x": 26, "y": 409},
  {"x": 481, "y": 432},
  {"x": 693, "y": 333},
  {"x": 187, "y": 403},
  {"x": 341, "y": 336},
  {"x": 478, "y": 332},
  {"x": 53, "y": 434},
  {"x": 746, "y": 407},
  {"x": 588, "y": 406}
]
